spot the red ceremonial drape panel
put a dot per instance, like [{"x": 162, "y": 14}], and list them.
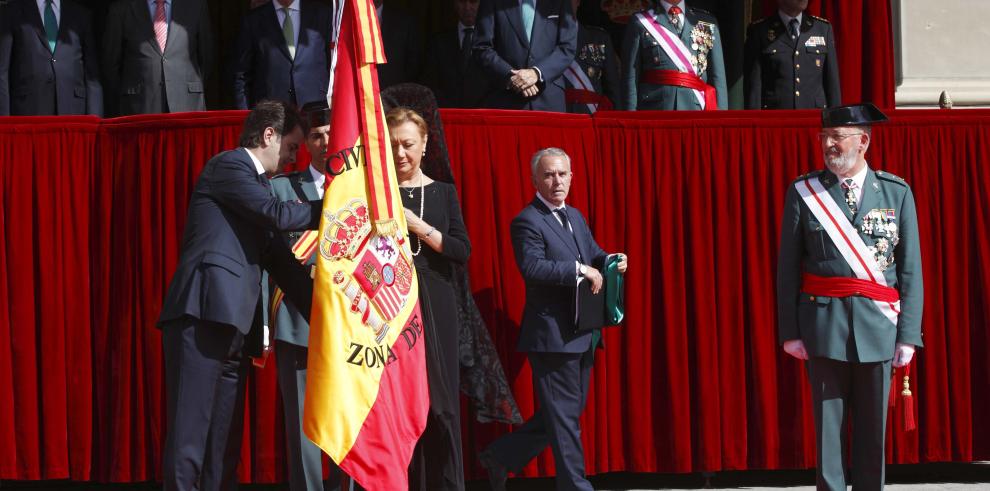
[
  {"x": 864, "y": 44},
  {"x": 694, "y": 379},
  {"x": 46, "y": 364}
]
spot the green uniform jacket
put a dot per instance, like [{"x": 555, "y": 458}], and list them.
[
  {"x": 641, "y": 52},
  {"x": 290, "y": 325},
  {"x": 852, "y": 328}
]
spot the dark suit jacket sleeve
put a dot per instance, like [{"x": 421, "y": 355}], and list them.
[
  {"x": 752, "y": 70},
  {"x": 612, "y": 81},
  {"x": 716, "y": 71},
  {"x": 456, "y": 244},
  {"x": 630, "y": 66},
  {"x": 241, "y": 60},
  {"x": 484, "y": 48},
  {"x": 291, "y": 276},
  {"x": 236, "y": 187},
  {"x": 909, "y": 279},
  {"x": 833, "y": 94},
  {"x": 789, "y": 259},
  {"x": 553, "y": 65},
  {"x": 6, "y": 52},
  {"x": 113, "y": 38},
  {"x": 535, "y": 267},
  {"x": 91, "y": 67},
  {"x": 205, "y": 49}
]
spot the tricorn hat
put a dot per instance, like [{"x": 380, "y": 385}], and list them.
[
  {"x": 317, "y": 113},
  {"x": 852, "y": 115}
]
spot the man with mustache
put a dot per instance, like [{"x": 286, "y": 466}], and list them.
[{"x": 849, "y": 293}]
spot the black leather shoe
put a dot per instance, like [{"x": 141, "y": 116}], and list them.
[{"x": 497, "y": 473}]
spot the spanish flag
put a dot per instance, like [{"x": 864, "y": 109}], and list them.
[{"x": 366, "y": 394}]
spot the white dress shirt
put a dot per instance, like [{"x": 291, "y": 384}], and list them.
[
  {"x": 257, "y": 163},
  {"x": 319, "y": 179},
  {"x": 293, "y": 14},
  {"x": 56, "y": 7}
]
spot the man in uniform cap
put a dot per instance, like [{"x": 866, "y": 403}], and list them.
[
  {"x": 849, "y": 293},
  {"x": 790, "y": 61},
  {"x": 672, "y": 60},
  {"x": 290, "y": 326},
  {"x": 593, "y": 77}
]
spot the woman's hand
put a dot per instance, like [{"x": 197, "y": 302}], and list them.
[{"x": 416, "y": 225}]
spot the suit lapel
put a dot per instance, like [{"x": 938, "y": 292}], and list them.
[
  {"x": 514, "y": 13},
  {"x": 30, "y": 11},
  {"x": 870, "y": 197},
  {"x": 305, "y": 23},
  {"x": 139, "y": 10},
  {"x": 270, "y": 23},
  {"x": 307, "y": 186},
  {"x": 566, "y": 237}
]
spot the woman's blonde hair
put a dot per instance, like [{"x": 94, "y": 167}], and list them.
[{"x": 401, "y": 115}]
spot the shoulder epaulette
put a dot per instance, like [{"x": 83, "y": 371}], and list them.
[
  {"x": 887, "y": 176},
  {"x": 809, "y": 175},
  {"x": 700, "y": 11},
  {"x": 759, "y": 21},
  {"x": 822, "y": 19},
  {"x": 595, "y": 29}
]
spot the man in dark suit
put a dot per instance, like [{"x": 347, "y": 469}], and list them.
[
  {"x": 554, "y": 251},
  {"x": 48, "y": 60},
  {"x": 403, "y": 44},
  {"x": 214, "y": 297},
  {"x": 156, "y": 55},
  {"x": 451, "y": 71},
  {"x": 524, "y": 46},
  {"x": 790, "y": 61},
  {"x": 279, "y": 56},
  {"x": 291, "y": 326}
]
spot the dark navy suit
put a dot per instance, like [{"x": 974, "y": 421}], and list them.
[
  {"x": 547, "y": 255},
  {"x": 261, "y": 67},
  {"x": 212, "y": 302},
  {"x": 36, "y": 82},
  {"x": 501, "y": 45}
]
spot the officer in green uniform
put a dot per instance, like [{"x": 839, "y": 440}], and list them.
[
  {"x": 643, "y": 57},
  {"x": 597, "y": 59},
  {"x": 790, "y": 61},
  {"x": 829, "y": 315},
  {"x": 290, "y": 327}
]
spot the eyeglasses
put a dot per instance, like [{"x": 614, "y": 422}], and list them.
[{"x": 825, "y": 137}]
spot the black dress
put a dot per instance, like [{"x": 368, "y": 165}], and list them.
[{"x": 437, "y": 463}]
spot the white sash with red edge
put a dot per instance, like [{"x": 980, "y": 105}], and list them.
[
  {"x": 846, "y": 238},
  {"x": 579, "y": 80},
  {"x": 672, "y": 45}
]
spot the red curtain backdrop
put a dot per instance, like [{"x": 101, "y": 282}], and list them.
[
  {"x": 92, "y": 214},
  {"x": 864, "y": 41}
]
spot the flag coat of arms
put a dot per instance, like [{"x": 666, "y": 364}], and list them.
[{"x": 366, "y": 390}]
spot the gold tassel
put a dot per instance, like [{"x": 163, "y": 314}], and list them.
[
  {"x": 907, "y": 386},
  {"x": 387, "y": 228}
]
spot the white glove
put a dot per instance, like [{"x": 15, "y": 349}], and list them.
[{"x": 902, "y": 355}]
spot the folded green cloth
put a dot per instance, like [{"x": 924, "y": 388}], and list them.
[{"x": 615, "y": 308}]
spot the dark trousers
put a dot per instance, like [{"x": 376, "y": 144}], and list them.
[
  {"x": 561, "y": 381},
  {"x": 305, "y": 458},
  {"x": 204, "y": 388},
  {"x": 844, "y": 391}
]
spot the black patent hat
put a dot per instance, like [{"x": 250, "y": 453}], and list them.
[
  {"x": 317, "y": 113},
  {"x": 852, "y": 115}
]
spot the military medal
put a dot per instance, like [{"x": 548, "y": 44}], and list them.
[{"x": 771, "y": 35}]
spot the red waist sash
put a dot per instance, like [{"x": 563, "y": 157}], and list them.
[
  {"x": 681, "y": 79},
  {"x": 581, "y": 96},
  {"x": 834, "y": 286}
]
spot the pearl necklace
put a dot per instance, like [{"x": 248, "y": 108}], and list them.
[{"x": 422, "y": 203}]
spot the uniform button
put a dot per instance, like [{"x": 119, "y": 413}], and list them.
[
  {"x": 764, "y": 106},
  {"x": 797, "y": 93},
  {"x": 774, "y": 51},
  {"x": 54, "y": 60},
  {"x": 797, "y": 67},
  {"x": 795, "y": 53},
  {"x": 797, "y": 80},
  {"x": 812, "y": 298}
]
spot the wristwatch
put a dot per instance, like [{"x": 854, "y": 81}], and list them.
[{"x": 583, "y": 270}]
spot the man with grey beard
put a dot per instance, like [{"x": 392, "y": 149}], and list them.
[{"x": 849, "y": 293}]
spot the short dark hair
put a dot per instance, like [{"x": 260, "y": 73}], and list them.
[{"x": 269, "y": 114}]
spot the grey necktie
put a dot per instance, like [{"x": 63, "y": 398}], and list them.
[{"x": 289, "y": 32}]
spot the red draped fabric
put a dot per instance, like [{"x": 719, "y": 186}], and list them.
[
  {"x": 864, "y": 42},
  {"x": 92, "y": 214}
]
